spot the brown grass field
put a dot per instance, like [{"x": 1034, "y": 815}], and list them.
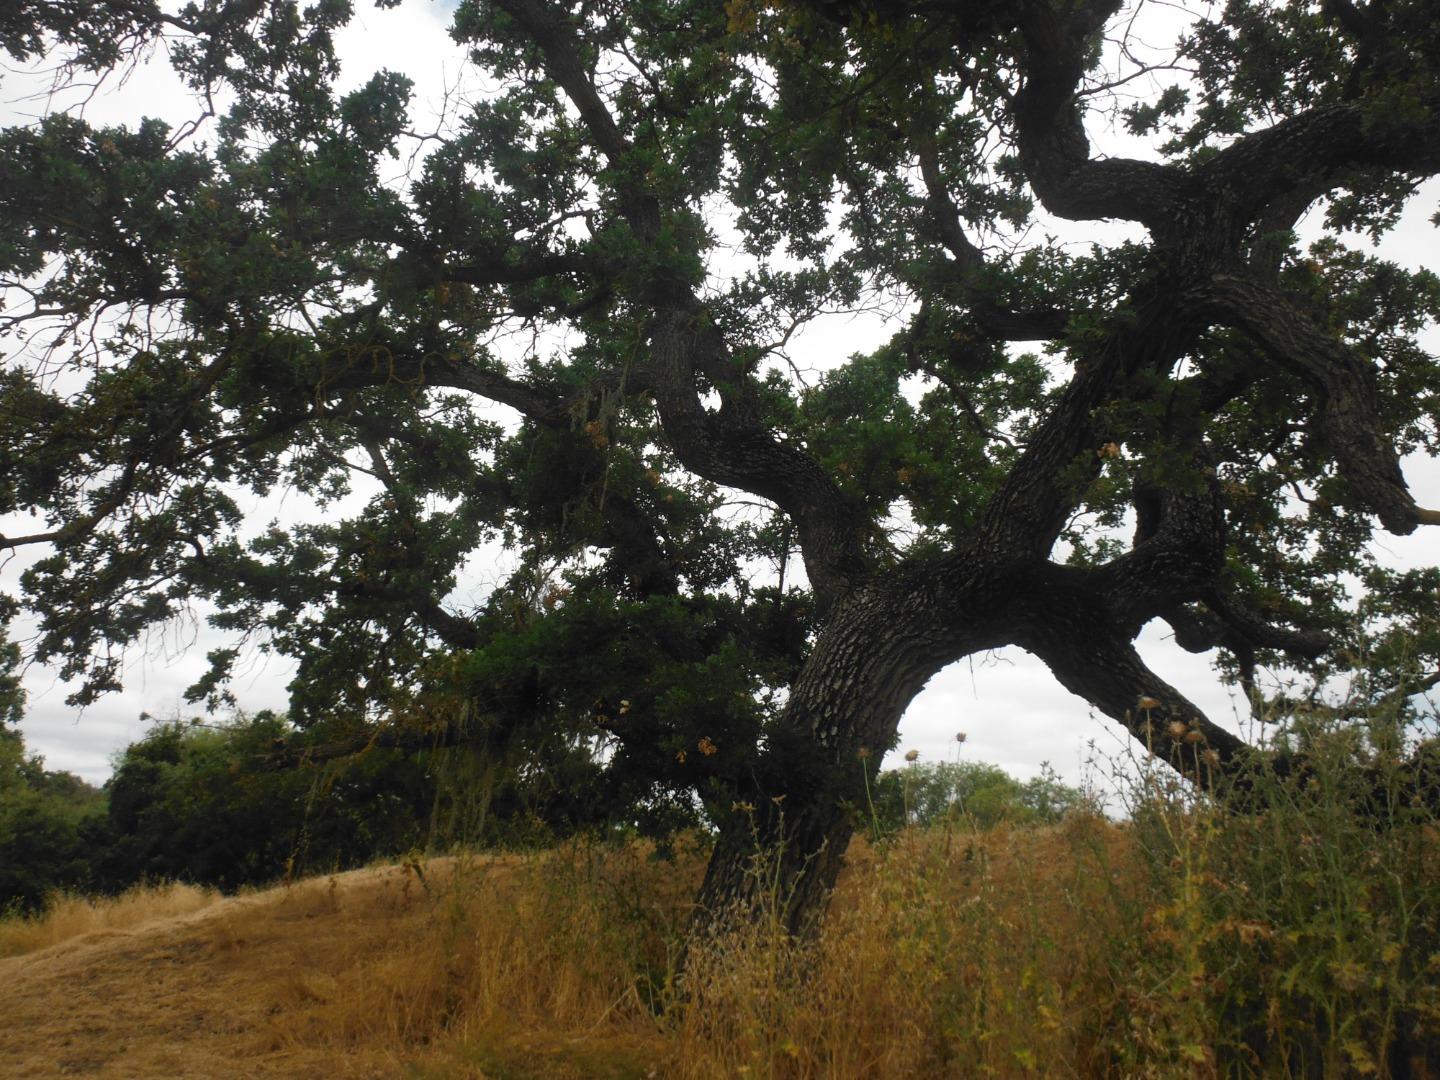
[
  {"x": 354, "y": 975},
  {"x": 226, "y": 988},
  {"x": 1057, "y": 951}
]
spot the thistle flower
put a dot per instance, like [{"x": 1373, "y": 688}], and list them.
[{"x": 912, "y": 756}]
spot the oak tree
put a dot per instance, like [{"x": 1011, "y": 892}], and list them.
[{"x": 558, "y": 317}]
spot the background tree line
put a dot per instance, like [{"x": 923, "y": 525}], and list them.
[{"x": 255, "y": 799}]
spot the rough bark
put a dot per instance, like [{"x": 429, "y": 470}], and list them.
[{"x": 882, "y": 643}]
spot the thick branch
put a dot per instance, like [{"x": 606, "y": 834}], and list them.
[
  {"x": 1027, "y": 513},
  {"x": 733, "y": 448},
  {"x": 1227, "y": 625},
  {"x": 1070, "y": 628},
  {"x": 1178, "y": 554},
  {"x": 1349, "y": 412},
  {"x": 1051, "y": 131},
  {"x": 367, "y": 365},
  {"x": 555, "y": 35},
  {"x": 1312, "y": 153}
]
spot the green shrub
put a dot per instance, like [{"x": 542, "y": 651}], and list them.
[
  {"x": 982, "y": 795},
  {"x": 44, "y": 817}
]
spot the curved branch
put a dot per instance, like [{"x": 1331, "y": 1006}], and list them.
[
  {"x": 1039, "y": 324},
  {"x": 1178, "y": 553},
  {"x": 367, "y": 365},
  {"x": 1308, "y": 155},
  {"x": 1051, "y": 132},
  {"x": 1077, "y": 640},
  {"x": 1349, "y": 413},
  {"x": 1228, "y": 625},
  {"x": 732, "y": 447}
]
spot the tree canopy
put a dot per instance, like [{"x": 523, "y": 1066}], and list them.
[{"x": 557, "y": 318}]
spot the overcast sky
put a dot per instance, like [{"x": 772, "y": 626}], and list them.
[{"x": 1013, "y": 711}]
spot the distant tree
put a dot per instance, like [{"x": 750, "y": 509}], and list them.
[
  {"x": 181, "y": 809},
  {"x": 614, "y": 240},
  {"x": 43, "y": 814},
  {"x": 970, "y": 792},
  {"x": 255, "y": 799}
]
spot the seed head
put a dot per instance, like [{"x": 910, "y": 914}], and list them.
[{"x": 912, "y": 756}]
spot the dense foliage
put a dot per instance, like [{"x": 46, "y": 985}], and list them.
[
  {"x": 42, "y": 813},
  {"x": 45, "y": 844},
  {"x": 563, "y": 326}
]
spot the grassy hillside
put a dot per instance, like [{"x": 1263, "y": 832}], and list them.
[{"x": 1186, "y": 943}]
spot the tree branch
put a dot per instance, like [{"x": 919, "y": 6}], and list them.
[
  {"x": 1067, "y": 626},
  {"x": 1314, "y": 152},
  {"x": 1349, "y": 415},
  {"x": 1050, "y": 130},
  {"x": 1039, "y": 324},
  {"x": 731, "y": 446}
]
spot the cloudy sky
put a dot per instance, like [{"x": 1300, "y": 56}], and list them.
[{"x": 1013, "y": 711}]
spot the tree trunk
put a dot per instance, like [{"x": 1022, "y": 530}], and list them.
[
  {"x": 783, "y": 848},
  {"x": 783, "y": 845},
  {"x": 781, "y": 868}
]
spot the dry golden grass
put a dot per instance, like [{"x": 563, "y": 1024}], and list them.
[
  {"x": 956, "y": 954},
  {"x": 549, "y": 967},
  {"x": 69, "y": 916},
  {"x": 198, "y": 995},
  {"x": 477, "y": 967},
  {"x": 1058, "y": 951}
]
